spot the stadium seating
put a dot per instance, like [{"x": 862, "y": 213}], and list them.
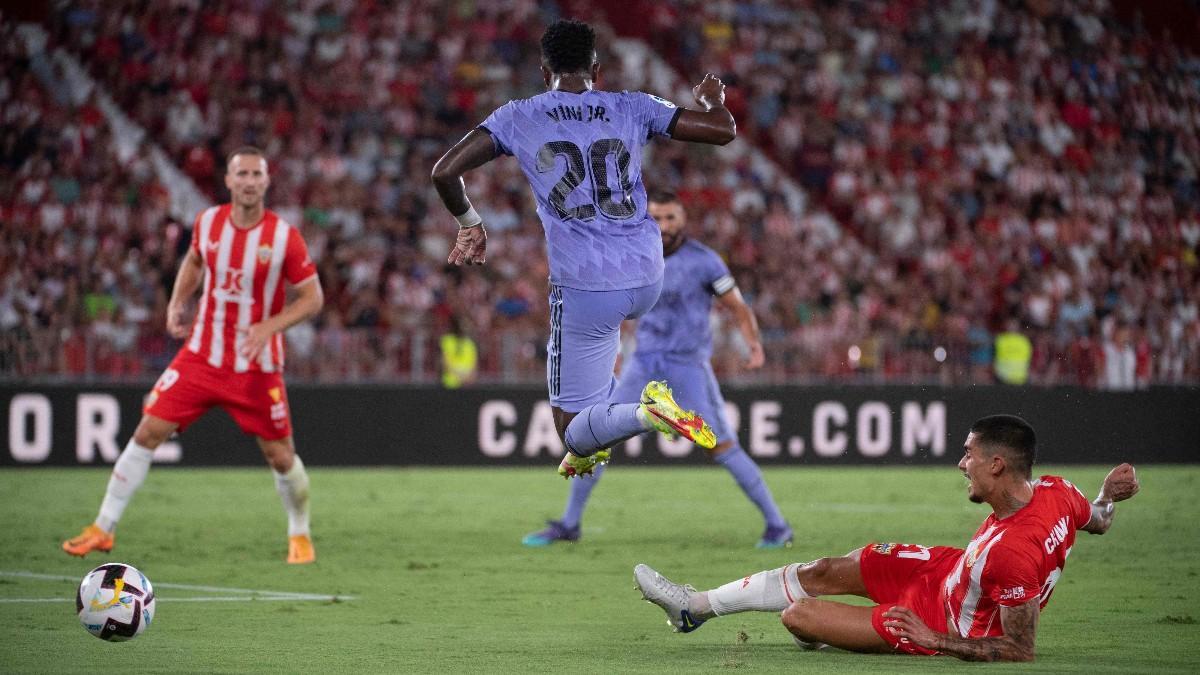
[
  {"x": 995, "y": 162},
  {"x": 958, "y": 173},
  {"x": 85, "y": 241}
]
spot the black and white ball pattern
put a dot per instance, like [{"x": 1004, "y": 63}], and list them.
[{"x": 115, "y": 602}]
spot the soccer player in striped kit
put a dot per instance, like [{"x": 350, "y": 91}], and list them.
[
  {"x": 233, "y": 352},
  {"x": 674, "y": 344},
  {"x": 979, "y": 603},
  {"x": 581, "y": 150}
]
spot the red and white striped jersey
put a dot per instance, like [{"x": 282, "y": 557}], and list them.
[
  {"x": 1013, "y": 560},
  {"x": 243, "y": 274}
]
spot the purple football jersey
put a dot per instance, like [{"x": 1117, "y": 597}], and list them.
[
  {"x": 678, "y": 322},
  {"x": 582, "y": 154}
]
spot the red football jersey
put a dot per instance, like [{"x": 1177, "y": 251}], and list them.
[
  {"x": 244, "y": 270},
  {"x": 1015, "y": 559}
]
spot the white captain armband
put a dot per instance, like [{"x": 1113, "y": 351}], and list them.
[{"x": 723, "y": 285}]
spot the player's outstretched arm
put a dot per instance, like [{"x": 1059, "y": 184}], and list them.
[
  {"x": 1120, "y": 484},
  {"x": 715, "y": 125},
  {"x": 187, "y": 280},
  {"x": 1017, "y": 643},
  {"x": 473, "y": 151},
  {"x": 747, "y": 324}
]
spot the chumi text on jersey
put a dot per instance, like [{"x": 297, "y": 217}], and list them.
[
  {"x": 1058, "y": 534},
  {"x": 575, "y": 113}
]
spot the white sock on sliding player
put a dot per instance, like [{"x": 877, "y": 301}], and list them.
[{"x": 766, "y": 591}]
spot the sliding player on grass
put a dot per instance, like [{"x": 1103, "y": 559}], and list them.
[
  {"x": 979, "y": 604},
  {"x": 581, "y": 150},
  {"x": 233, "y": 356},
  {"x": 674, "y": 344}
]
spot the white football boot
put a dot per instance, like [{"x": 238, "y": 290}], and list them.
[{"x": 670, "y": 596}]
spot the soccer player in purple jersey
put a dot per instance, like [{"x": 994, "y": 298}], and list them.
[
  {"x": 581, "y": 150},
  {"x": 674, "y": 344}
]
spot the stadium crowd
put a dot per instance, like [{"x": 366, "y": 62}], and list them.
[
  {"x": 85, "y": 241},
  {"x": 998, "y": 160},
  {"x": 969, "y": 169}
]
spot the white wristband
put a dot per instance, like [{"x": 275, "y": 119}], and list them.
[{"x": 469, "y": 219}]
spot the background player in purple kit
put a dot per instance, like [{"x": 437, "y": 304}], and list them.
[
  {"x": 581, "y": 150},
  {"x": 674, "y": 344}
]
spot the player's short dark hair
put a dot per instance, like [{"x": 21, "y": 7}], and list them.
[
  {"x": 569, "y": 46},
  {"x": 663, "y": 197},
  {"x": 245, "y": 150},
  {"x": 1009, "y": 434}
]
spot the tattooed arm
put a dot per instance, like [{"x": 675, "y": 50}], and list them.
[{"x": 1020, "y": 627}]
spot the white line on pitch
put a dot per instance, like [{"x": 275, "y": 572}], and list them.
[
  {"x": 228, "y": 598},
  {"x": 250, "y": 598},
  {"x": 289, "y": 595}
]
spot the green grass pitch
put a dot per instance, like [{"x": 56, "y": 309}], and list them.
[{"x": 442, "y": 584}]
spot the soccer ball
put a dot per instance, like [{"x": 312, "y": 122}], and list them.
[{"x": 115, "y": 602}]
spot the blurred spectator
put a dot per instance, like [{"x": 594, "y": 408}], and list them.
[
  {"x": 1013, "y": 354},
  {"x": 460, "y": 358},
  {"x": 1120, "y": 362}
]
